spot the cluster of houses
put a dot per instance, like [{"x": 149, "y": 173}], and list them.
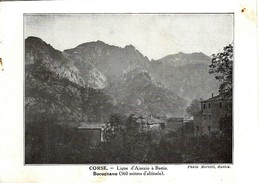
[
  {"x": 147, "y": 123},
  {"x": 204, "y": 122}
]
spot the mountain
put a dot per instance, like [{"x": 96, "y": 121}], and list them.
[
  {"x": 55, "y": 91},
  {"x": 43, "y": 57},
  {"x": 111, "y": 61},
  {"x": 127, "y": 75},
  {"x": 186, "y": 75},
  {"x": 143, "y": 92},
  {"x": 89, "y": 82},
  {"x": 51, "y": 98}
]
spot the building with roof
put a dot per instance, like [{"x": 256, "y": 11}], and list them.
[
  {"x": 94, "y": 133},
  {"x": 150, "y": 123},
  {"x": 208, "y": 119}
]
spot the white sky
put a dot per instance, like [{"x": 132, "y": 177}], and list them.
[{"x": 154, "y": 35}]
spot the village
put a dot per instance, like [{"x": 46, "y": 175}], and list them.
[{"x": 204, "y": 122}]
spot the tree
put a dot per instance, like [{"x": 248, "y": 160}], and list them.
[
  {"x": 116, "y": 120},
  {"x": 126, "y": 144},
  {"x": 222, "y": 67},
  {"x": 114, "y": 125},
  {"x": 194, "y": 107}
]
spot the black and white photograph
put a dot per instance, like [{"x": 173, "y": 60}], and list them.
[{"x": 128, "y": 88}]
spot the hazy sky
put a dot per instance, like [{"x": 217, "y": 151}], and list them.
[{"x": 155, "y": 36}]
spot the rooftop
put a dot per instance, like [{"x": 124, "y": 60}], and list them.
[
  {"x": 150, "y": 120},
  {"x": 90, "y": 126},
  {"x": 218, "y": 97}
]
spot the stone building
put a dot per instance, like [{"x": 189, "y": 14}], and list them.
[{"x": 208, "y": 119}]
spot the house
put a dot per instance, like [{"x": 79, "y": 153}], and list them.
[
  {"x": 150, "y": 123},
  {"x": 94, "y": 133},
  {"x": 208, "y": 119}
]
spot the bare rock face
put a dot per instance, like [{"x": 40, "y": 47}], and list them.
[{"x": 96, "y": 79}]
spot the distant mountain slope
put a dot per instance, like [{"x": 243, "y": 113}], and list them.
[
  {"x": 186, "y": 75},
  {"x": 181, "y": 59}
]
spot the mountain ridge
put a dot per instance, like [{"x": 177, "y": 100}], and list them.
[{"x": 125, "y": 78}]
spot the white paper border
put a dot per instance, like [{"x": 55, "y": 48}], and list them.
[{"x": 246, "y": 126}]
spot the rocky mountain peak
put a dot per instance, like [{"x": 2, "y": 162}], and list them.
[
  {"x": 33, "y": 39},
  {"x": 111, "y": 61},
  {"x": 130, "y": 47},
  {"x": 92, "y": 44}
]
